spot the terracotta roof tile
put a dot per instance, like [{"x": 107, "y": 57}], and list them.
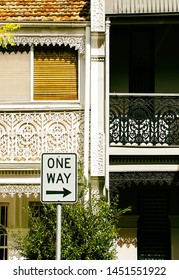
[{"x": 44, "y": 10}]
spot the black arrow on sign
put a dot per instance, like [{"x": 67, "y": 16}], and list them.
[{"x": 65, "y": 192}]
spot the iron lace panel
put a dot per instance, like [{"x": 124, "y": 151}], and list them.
[{"x": 144, "y": 120}]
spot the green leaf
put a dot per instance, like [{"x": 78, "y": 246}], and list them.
[{"x": 6, "y": 35}]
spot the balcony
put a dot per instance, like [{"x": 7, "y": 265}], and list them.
[
  {"x": 24, "y": 136},
  {"x": 138, "y": 120}
]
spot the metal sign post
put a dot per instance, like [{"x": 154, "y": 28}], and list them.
[
  {"x": 58, "y": 229},
  {"x": 59, "y": 185}
]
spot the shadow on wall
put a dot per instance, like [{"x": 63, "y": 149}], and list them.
[{"x": 85, "y": 11}]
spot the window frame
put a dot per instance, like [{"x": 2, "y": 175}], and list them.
[
  {"x": 77, "y": 101},
  {"x": 3, "y": 232},
  {"x": 32, "y": 104}
]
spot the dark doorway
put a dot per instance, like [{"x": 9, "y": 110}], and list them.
[
  {"x": 141, "y": 68},
  {"x": 154, "y": 198},
  {"x": 153, "y": 235}
]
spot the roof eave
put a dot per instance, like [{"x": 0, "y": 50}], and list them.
[{"x": 48, "y": 23}]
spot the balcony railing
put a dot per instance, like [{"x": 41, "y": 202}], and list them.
[
  {"x": 144, "y": 120},
  {"x": 24, "y": 136}
]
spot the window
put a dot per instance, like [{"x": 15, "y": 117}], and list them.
[
  {"x": 3, "y": 232},
  {"x": 55, "y": 73},
  {"x": 15, "y": 74},
  {"x": 51, "y": 73}
]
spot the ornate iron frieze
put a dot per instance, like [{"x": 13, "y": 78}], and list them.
[
  {"x": 25, "y": 136},
  {"x": 145, "y": 179},
  {"x": 20, "y": 189},
  {"x": 73, "y": 41},
  {"x": 144, "y": 120},
  {"x": 127, "y": 241}
]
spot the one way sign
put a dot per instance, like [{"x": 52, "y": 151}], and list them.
[{"x": 59, "y": 178}]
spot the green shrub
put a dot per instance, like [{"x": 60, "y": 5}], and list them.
[{"x": 88, "y": 232}]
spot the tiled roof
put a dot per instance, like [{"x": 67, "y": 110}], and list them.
[{"x": 44, "y": 10}]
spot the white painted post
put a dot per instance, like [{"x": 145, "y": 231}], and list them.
[
  {"x": 32, "y": 73},
  {"x": 107, "y": 99},
  {"x": 87, "y": 103},
  {"x": 58, "y": 234}
]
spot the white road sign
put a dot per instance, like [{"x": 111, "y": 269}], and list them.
[{"x": 59, "y": 177}]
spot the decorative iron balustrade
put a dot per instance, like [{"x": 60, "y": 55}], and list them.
[
  {"x": 24, "y": 136},
  {"x": 144, "y": 120}
]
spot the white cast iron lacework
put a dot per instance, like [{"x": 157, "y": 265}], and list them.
[
  {"x": 25, "y": 136},
  {"x": 77, "y": 42},
  {"x": 97, "y": 154},
  {"x": 19, "y": 190},
  {"x": 97, "y": 16}
]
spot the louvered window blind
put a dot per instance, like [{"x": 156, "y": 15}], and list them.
[{"x": 55, "y": 73}]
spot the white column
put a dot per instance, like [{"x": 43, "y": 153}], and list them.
[
  {"x": 87, "y": 103},
  {"x": 32, "y": 73},
  {"x": 97, "y": 104},
  {"x": 107, "y": 91},
  {"x": 97, "y": 141}
]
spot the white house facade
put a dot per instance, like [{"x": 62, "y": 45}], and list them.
[
  {"x": 99, "y": 79},
  {"x": 45, "y": 82}
]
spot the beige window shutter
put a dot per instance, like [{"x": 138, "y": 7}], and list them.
[
  {"x": 55, "y": 73},
  {"x": 15, "y": 76}
]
